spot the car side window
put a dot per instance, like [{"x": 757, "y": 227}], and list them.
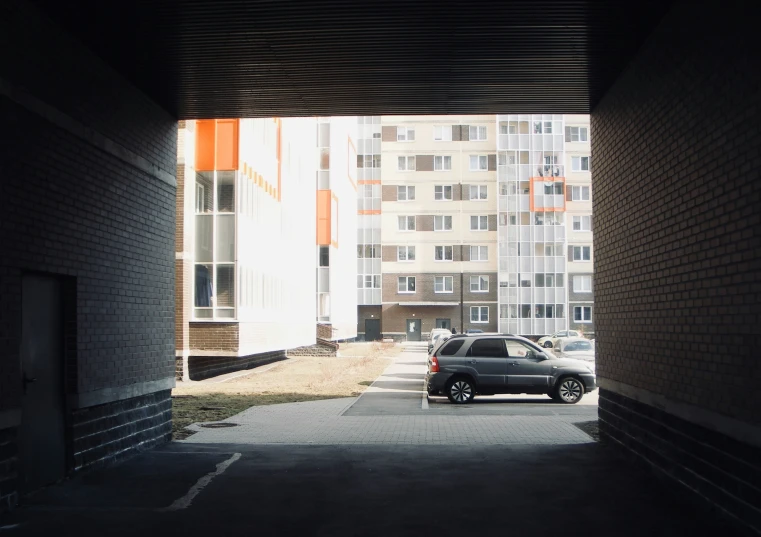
[
  {"x": 517, "y": 349},
  {"x": 490, "y": 348},
  {"x": 451, "y": 348}
]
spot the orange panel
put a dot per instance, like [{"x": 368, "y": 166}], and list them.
[
  {"x": 369, "y": 211},
  {"x": 323, "y": 217},
  {"x": 205, "y": 135},
  {"x": 227, "y": 144},
  {"x": 369, "y": 182}
]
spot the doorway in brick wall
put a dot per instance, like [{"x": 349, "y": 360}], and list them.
[
  {"x": 42, "y": 435},
  {"x": 413, "y": 329}
]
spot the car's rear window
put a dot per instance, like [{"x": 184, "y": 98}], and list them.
[{"x": 451, "y": 348}]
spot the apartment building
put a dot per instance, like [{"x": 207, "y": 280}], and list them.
[
  {"x": 439, "y": 224},
  {"x": 369, "y": 275},
  {"x": 474, "y": 222},
  {"x": 245, "y": 285},
  {"x": 336, "y": 223},
  {"x": 579, "y": 228}
]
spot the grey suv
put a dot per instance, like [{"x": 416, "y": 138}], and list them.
[{"x": 466, "y": 365}]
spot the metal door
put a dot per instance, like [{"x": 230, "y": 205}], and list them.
[
  {"x": 372, "y": 330},
  {"x": 41, "y": 441},
  {"x": 413, "y": 330},
  {"x": 488, "y": 358},
  {"x": 524, "y": 371}
]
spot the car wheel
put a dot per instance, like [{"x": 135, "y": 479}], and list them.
[
  {"x": 460, "y": 390},
  {"x": 547, "y": 345},
  {"x": 569, "y": 390}
]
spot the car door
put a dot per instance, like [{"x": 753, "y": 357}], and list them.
[
  {"x": 488, "y": 358},
  {"x": 525, "y": 370}
]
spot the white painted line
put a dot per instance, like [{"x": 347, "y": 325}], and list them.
[
  {"x": 425, "y": 398},
  {"x": 184, "y": 502}
]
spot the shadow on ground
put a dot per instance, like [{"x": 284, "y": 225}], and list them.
[{"x": 370, "y": 491}]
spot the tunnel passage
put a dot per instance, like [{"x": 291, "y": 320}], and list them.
[{"x": 88, "y": 172}]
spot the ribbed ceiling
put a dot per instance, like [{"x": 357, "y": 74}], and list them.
[{"x": 237, "y": 58}]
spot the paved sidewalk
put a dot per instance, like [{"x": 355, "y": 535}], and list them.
[{"x": 394, "y": 411}]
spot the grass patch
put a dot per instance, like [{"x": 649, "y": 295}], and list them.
[
  {"x": 366, "y": 382},
  {"x": 206, "y": 407}
]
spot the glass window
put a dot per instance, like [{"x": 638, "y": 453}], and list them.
[
  {"x": 479, "y": 192},
  {"x": 405, "y": 134},
  {"x": 479, "y": 223},
  {"x": 580, "y": 164},
  {"x": 492, "y": 348},
  {"x": 442, "y": 133},
  {"x": 580, "y": 193},
  {"x": 451, "y": 348},
  {"x": 479, "y": 284},
  {"x": 405, "y": 193},
  {"x": 479, "y": 163},
  {"x": 406, "y": 223},
  {"x": 582, "y": 314},
  {"x": 406, "y": 284},
  {"x": 442, "y": 223},
  {"x": 405, "y": 253},
  {"x": 442, "y": 193},
  {"x": 479, "y": 314},
  {"x": 539, "y": 280},
  {"x": 517, "y": 349},
  {"x": 406, "y": 164},
  {"x": 325, "y": 255},
  {"x": 479, "y": 253},
  {"x": 443, "y": 284},
  {"x": 582, "y": 223},
  {"x": 442, "y": 163},
  {"x": 477, "y": 133},
  {"x": 582, "y": 284},
  {"x": 582, "y": 253},
  {"x": 443, "y": 253}
]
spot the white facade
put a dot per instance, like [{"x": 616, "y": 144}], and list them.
[
  {"x": 532, "y": 224},
  {"x": 336, "y": 294}
]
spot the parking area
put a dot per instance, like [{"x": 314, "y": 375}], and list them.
[{"x": 390, "y": 462}]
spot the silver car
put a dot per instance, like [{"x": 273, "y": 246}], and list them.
[{"x": 468, "y": 365}]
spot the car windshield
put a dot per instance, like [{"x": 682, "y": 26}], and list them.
[{"x": 578, "y": 346}]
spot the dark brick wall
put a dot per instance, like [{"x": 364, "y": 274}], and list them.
[
  {"x": 203, "y": 367},
  {"x": 395, "y": 316},
  {"x": 677, "y": 217},
  {"x": 112, "y": 431},
  {"x": 8, "y": 469},
  {"x": 87, "y": 165},
  {"x": 677, "y": 220}
]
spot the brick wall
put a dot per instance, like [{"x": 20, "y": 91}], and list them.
[
  {"x": 90, "y": 197},
  {"x": 677, "y": 219},
  {"x": 367, "y": 312},
  {"x": 203, "y": 367},
  {"x": 214, "y": 336}
]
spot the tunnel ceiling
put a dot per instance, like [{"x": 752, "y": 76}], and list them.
[{"x": 238, "y": 58}]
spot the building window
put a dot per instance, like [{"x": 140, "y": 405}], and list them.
[
  {"x": 443, "y": 253},
  {"x": 405, "y": 253},
  {"x": 479, "y": 253},
  {"x": 582, "y": 223},
  {"x": 582, "y": 253},
  {"x": 442, "y": 163},
  {"x": 406, "y": 284},
  {"x": 478, "y": 192},
  {"x": 576, "y": 134},
  {"x": 442, "y": 193},
  {"x": 479, "y": 223},
  {"x": 368, "y": 251},
  {"x": 479, "y": 284},
  {"x": 406, "y": 223},
  {"x": 479, "y": 163},
  {"x": 477, "y": 134},
  {"x": 442, "y": 133},
  {"x": 443, "y": 284},
  {"x": 405, "y": 164},
  {"x": 582, "y": 314},
  {"x": 368, "y": 281},
  {"x": 215, "y": 270},
  {"x": 582, "y": 284},
  {"x": 405, "y": 134},
  {"x": 579, "y": 193},
  {"x": 479, "y": 314},
  {"x": 442, "y": 223},
  {"x": 580, "y": 164},
  {"x": 548, "y": 127},
  {"x": 324, "y": 256},
  {"x": 405, "y": 193}
]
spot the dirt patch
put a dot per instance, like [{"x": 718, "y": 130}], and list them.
[
  {"x": 308, "y": 378},
  {"x": 375, "y": 348}
]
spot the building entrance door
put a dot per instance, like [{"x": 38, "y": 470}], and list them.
[
  {"x": 372, "y": 330},
  {"x": 413, "y": 330},
  {"x": 41, "y": 441}
]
